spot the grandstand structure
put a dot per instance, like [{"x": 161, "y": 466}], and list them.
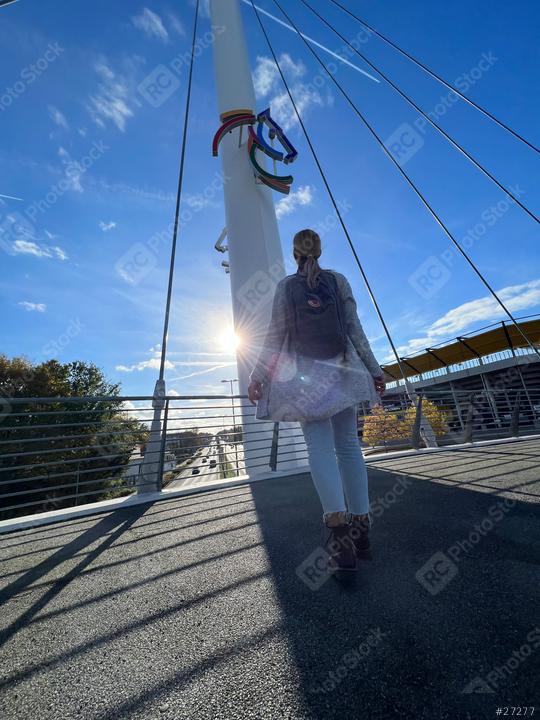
[{"x": 491, "y": 367}]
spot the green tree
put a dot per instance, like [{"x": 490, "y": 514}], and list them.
[{"x": 52, "y": 450}]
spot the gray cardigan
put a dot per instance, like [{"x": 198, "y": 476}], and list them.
[{"x": 302, "y": 389}]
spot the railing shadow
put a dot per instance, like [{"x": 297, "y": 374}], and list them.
[
  {"x": 114, "y": 525},
  {"x": 398, "y": 642}
]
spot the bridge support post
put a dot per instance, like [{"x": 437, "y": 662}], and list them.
[
  {"x": 425, "y": 431},
  {"x": 514, "y": 423},
  {"x": 415, "y": 439},
  {"x": 150, "y": 476},
  {"x": 469, "y": 420},
  {"x": 255, "y": 256}
]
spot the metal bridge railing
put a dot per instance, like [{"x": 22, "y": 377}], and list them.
[
  {"x": 61, "y": 452},
  {"x": 448, "y": 417}
]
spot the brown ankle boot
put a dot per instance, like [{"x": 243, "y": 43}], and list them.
[
  {"x": 359, "y": 531},
  {"x": 340, "y": 544}
]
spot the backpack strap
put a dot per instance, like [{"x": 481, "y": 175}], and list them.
[
  {"x": 339, "y": 305},
  {"x": 290, "y": 311}
]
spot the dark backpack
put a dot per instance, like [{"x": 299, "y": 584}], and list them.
[{"x": 316, "y": 317}]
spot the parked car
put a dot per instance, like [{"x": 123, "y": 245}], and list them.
[
  {"x": 213, "y": 462},
  {"x": 195, "y": 471}
]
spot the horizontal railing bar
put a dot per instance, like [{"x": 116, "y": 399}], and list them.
[
  {"x": 117, "y": 412},
  {"x": 119, "y": 398},
  {"x": 89, "y": 422},
  {"x": 53, "y": 463},
  {"x": 75, "y": 495},
  {"x": 175, "y": 416},
  {"x": 247, "y": 433},
  {"x": 267, "y": 454},
  {"x": 179, "y": 398},
  {"x": 49, "y": 438},
  {"x": 98, "y": 422},
  {"x": 50, "y": 425},
  {"x": 60, "y": 487},
  {"x": 57, "y": 450},
  {"x": 34, "y": 478},
  {"x": 201, "y": 427}
]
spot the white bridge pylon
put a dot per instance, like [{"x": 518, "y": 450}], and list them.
[{"x": 255, "y": 255}]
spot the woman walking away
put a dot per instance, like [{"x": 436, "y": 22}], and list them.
[{"x": 315, "y": 366}]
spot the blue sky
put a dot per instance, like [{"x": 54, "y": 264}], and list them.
[{"x": 95, "y": 165}]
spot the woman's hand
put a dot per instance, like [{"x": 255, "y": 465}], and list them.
[
  {"x": 254, "y": 392},
  {"x": 380, "y": 385}
]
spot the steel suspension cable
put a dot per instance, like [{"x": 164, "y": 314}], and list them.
[
  {"x": 412, "y": 184},
  {"x": 178, "y": 200},
  {"x": 331, "y": 195},
  {"x": 436, "y": 77},
  {"x": 419, "y": 109}
]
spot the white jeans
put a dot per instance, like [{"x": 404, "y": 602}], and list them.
[{"x": 337, "y": 464}]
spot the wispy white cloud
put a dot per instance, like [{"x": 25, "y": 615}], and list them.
[
  {"x": 304, "y": 97},
  {"x": 33, "y": 307},
  {"x": 27, "y": 247},
  {"x": 137, "y": 192},
  {"x": 483, "y": 310},
  {"x": 151, "y": 24},
  {"x": 267, "y": 83},
  {"x": 515, "y": 297},
  {"x": 176, "y": 24},
  {"x": 59, "y": 253},
  {"x": 58, "y": 117},
  {"x": 154, "y": 364},
  {"x": 266, "y": 76},
  {"x": 198, "y": 201},
  {"x": 296, "y": 198},
  {"x": 72, "y": 170},
  {"x": 110, "y": 102},
  {"x": 107, "y": 226}
]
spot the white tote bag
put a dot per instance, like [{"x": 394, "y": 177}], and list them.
[{"x": 300, "y": 389}]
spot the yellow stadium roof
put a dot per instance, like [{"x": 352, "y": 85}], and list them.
[{"x": 503, "y": 336}]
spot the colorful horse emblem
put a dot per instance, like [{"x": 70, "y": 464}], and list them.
[{"x": 257, "y": 141}]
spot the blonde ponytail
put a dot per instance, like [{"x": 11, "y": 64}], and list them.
[{"x": 307, "y": 249}]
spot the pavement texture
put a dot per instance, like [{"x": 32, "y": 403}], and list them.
[{"x": 213, "y": 606}]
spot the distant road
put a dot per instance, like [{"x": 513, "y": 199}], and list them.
[{"x": 186, "y": 478}]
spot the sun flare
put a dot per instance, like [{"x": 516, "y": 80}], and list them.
[{"x": 229, "y": 341}]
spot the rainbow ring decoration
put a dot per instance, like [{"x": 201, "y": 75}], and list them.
[
  {"x": 229, "y": 121},
  {"x": 257, "y": 141}
]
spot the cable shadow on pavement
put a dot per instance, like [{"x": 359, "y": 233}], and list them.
[{"x": 401, "y": 631}]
